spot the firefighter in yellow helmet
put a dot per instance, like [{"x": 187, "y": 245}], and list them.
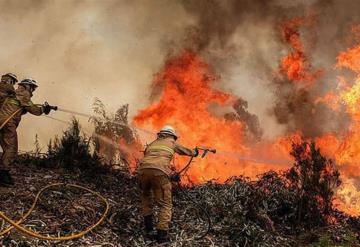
[
  {"x": 154, "y": 176},
  {"x": 13, "y": 107}
]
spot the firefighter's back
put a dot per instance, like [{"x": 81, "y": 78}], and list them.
[{"x": 158, "y": 155}]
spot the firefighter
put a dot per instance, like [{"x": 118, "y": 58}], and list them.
[
  {"x": 13, "y": 107},
  {"x": 154, "y": 177},
  {"x": 7, "y": 88}
]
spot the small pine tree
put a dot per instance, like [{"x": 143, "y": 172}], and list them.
[{"x": 72, "y": 150}]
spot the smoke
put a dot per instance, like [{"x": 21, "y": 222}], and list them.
[
  {"x": 78, "y": 50},
  {"x": 242, "y": 40},
  {"x": 253, "y": 131},
  {"x": 81, "y": 49}
]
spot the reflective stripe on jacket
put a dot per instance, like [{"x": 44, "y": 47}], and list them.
[{"x": 158, "y": 154}]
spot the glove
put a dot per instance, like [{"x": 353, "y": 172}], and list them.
[
  {"x": 196, "y": 152},
  {"x": 175, "y": 177},
  {"x": 46, "y": 108}
]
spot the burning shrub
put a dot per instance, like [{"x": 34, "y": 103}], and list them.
[
  {"x": 250, "y": 212},
  {"x": 274, "y": 210},
  {"x": 314, "y": 178}
]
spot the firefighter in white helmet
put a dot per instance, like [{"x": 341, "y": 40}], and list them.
[
  {"x": 11, "y": 111},
  {"x": 154, "y": 176}
]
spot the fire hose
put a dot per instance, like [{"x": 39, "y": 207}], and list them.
[
  {"x": 28, "y": 232},
  {"x": 183, "y": 170},
  {"x": 205, "y": 152},
  {"x": 204, "y": 210}
]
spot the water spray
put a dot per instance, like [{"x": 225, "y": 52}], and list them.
[
  {"x": 95, "y": 117},
  {"x": 103, "y": 138},
  {"x": 234, "y": 155},
  {"x": 76, "y": 113}
]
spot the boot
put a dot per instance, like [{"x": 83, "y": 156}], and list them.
[
  {"x": 162, "y": 236},
  {"x": 5, "y": 178},
  {"x": 149, "y": 227}
]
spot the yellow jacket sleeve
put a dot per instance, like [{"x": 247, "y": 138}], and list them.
[
  {"x": 183, "y": 150},
  {"x": 34, "y": 109},
  {"x": 24, "y": 98}
]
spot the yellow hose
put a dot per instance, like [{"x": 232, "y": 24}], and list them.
[{"x": 31, "y": 233}]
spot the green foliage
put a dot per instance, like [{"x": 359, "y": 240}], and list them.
[{"x": 72, "y": 150}]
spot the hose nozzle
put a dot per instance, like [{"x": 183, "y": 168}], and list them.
[
  {"x": 55, "y": 108},
  {"x": 206, "y": 150}
]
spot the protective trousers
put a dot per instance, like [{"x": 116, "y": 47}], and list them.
[
  {"x": 156, "y": 187},
  {"x": 9, "y": 144}
]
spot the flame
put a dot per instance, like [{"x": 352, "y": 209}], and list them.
[
  {"x": 190, "y": 99},
  {"x": 347, "y": 155},
  {"x": 186, "y": 101},
  {"x": 348, "y": 197},
  {"x": 331, "y": 99},
  {"x": 296, "y": 64}
]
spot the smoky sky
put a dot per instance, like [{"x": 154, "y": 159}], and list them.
[{"x": 111, "y": 49}]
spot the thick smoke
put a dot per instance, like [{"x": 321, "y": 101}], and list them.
[
  {"x": 227, "y": 30},
  {"x": 232, "y": 35},
  {"x": 298, "y": 85},
  {"x": 82, "y": 49},
  {"x": 253, "y": 131}
]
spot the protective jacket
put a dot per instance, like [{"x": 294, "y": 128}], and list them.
[
  {"x": 159, "y": 154},
  {"x": 21, "y": 101},
  {"x": 6, "y": 90},
  {"x": 8, "y": 134}
]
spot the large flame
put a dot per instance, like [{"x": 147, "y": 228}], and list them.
[
  {"x": 348, "y": 153},
  {"x": 190, "y": 102},
  {"x": 189, "y": 98}
]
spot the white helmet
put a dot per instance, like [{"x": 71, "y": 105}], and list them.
[
  {"x": 11, "y": 75},
  {"x": 169, "y": 130},
  {"x": 29, "y": 81}
]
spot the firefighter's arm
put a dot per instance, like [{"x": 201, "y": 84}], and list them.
[
  {"x": 33, "y": 109},
  {"x": 40, "y": 109},
  {"x": 185, "y": 151}
]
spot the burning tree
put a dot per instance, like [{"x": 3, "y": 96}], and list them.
[{"x": 314, "y": 178}]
